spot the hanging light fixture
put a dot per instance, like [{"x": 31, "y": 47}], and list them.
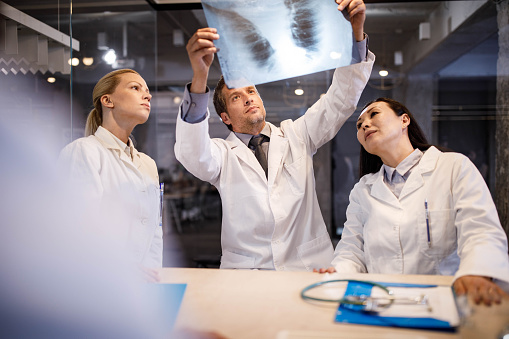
[
  {"x": 74, "y": 62},
  {"x": 88, "y": 61},
  {"x": 294, "y": 94},
  {"x": 299, "y": 90}
]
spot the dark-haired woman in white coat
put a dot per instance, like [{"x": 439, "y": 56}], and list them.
[{"x": 417, "y": 210}]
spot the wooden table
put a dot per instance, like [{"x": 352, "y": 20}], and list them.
[{"x": 267, "y": 304}]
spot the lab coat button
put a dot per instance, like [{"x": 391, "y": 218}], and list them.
[{"x": 144, "y": 221}]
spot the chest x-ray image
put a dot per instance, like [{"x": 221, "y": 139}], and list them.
[{"x": 269, "y": 40}]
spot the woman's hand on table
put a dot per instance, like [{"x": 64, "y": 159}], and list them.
[
  {"x": 324, "y": 270},
  {"x": 480, "y": 289}
]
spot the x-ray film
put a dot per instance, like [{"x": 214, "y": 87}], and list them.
[{"x": 268, "y": 40}]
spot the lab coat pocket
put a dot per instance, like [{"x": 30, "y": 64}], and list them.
[
  {"x": 295, "y": 174},
  {"x": 442, "y": 233},
  {"x": 316, "y": 253},
  {"x": 235, "y": 260}
]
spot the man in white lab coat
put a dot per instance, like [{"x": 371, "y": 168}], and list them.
[{"x": 271, "y": 217}]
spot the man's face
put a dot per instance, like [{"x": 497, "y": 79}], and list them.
[{"x": 246, "y": 113}]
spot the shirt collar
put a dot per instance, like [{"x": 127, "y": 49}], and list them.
[
  {"x": 405, "y": 166},
  {"x": 127, "y": 148},
  {"x": 245, "y": 138}
]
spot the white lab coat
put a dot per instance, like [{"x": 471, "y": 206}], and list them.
[
  {"x": 385, "y": 235},
  {"x": 273, "y": 223},
  {"x": 120, "y": 194}
]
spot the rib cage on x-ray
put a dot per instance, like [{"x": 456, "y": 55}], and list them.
[
  {"x": 303, "y": 24},
  {"x": 247, "y": 32},
  {"x": 268, "y": 40}
]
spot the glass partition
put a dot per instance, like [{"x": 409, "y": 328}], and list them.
[{"x": 437, "y": 58}]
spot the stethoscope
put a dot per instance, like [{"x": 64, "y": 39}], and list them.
[{"x": 369, "y": 303}]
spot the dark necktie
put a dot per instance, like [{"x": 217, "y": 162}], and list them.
[{"x": 256, "y": 144}]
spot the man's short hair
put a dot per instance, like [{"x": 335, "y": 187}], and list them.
[{"x": 220, "y": 101}]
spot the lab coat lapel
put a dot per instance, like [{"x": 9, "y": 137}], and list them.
[
  {"x": 108, "y": 142},
  {"x": 413, "y": 183},
  {"x": 136, "y": 159},
  {"x": 123, "y": 156},
  {"x": 277, "y": 152},
  {"x": 416, "y": 178},
  {"x": 244, "y": 153},
  {"x": 380, "y": 191}
]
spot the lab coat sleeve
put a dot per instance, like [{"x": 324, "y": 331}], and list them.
[
  {"x": 482, "y": 243},
  {"x": 323, "y": 120},
  {"x": 349, "y": 254},
  {"x": 196, "y": 151}
]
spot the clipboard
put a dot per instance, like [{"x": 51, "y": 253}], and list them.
[{"x": 440, "y": 313}]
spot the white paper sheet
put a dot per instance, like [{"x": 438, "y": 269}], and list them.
[{"x": 441, "y": 304}]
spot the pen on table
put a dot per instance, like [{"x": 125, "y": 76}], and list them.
[
  {"x": 161, "y": 190},
  {"x": 427, "y": 222}
]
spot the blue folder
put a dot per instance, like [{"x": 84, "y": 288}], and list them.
[
  {"x": 171, "y": 296},
  {"x": 354, "y": 314}
]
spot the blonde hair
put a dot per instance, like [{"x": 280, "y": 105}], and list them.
[{"x": 106, "y": 85}]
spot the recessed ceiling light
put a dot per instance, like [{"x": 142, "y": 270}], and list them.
[{"x": 88, "y": 61}]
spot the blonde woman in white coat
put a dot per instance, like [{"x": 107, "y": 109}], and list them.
[
  {"x": 406, "y": 185},
  {"x": 118, "y": 186}
]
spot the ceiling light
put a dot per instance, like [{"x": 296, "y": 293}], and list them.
[
  {"x": 383, "y": 73},
  {"x": 88, "y": 61},
  {"x": 299, "y": 91},
  {"x": 177, "y": 100},
  {"x": 398, "y": 58},
  {"x": 73, "y": 61},
  {"x": 51, "y": 80},
  {"x": 102, "y": 41},
  {"x": 110, "y": 57},
  {"x": 178, "y": 38},
  {"x": 424, "y": 31}
]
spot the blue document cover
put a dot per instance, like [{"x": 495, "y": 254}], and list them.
[
  {"x": 440, "y": 314},
  {"x": 170, "y": 298}
]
